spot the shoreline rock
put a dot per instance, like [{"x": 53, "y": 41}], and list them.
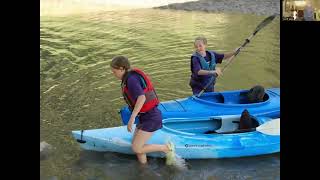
[{"x": 258, "y": 7}]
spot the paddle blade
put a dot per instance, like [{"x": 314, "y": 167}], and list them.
[
  {"x": 264, "y": 23},
  {"x": 271, "y": 127}
]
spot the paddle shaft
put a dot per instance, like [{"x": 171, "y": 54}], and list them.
[
  {"x": 237, "y": 52},
  {"x": 260, "y": 26}
]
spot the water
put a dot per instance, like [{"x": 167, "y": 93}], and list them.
[{"x": 78, "y": 90}]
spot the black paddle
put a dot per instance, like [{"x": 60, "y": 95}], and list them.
[{"x": 260, "y": 26}]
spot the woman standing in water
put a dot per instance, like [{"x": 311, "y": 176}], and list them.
[
  {"x": 203, "y": 66},
  {"x": 142, "y": 100}
]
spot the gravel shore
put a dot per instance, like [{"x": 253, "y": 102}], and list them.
[{"x": 258, "y": 7}]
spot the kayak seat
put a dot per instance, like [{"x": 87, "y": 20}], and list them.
[
  {"x": 246, "y": 123},
  {"x": 256, "y": 94},
  {"x": 243, "y": 98},
  {"x": 254, "y": 124},
  {"x": 228, "y": 125},
  {"x": 237, "y": 129}
]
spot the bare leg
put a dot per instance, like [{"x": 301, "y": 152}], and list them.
[
  {"x": 142, "y": 158},
  {"x": 139, "y": 147}
]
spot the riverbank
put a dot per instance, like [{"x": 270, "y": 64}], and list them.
[{"x": 258, "y": 7}]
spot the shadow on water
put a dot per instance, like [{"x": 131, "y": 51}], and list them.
[{"x": 120, "y": 166}]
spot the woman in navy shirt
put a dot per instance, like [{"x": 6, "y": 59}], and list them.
[
  {"x": 142, "y": 100},
  {"x": 203, "y": 66}
]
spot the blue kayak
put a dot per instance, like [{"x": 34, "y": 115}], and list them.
[
  {"x": 215, "y": 104},
  {"x": 194, "y": 138}
]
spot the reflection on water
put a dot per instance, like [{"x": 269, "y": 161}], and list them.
[
  {"x": 78, "y": 90},
  {"x": 62, "y": 8}
]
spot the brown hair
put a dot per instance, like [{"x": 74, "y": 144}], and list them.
[{"x": 120, "y": 61}]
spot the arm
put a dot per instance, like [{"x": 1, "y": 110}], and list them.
[
  {"x": 140, "y": 101},
  {"x": 136, "y": 92},
  {"x": 229, "y": 54},
  {"x": 202, "y": 72},
  {"x": 196, "y": 68}
]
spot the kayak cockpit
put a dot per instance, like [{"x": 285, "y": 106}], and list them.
[
  {"x": 232, "y": 97},
  {"x": 213, "y": 125}
]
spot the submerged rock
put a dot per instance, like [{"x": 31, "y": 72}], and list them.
[{"x": 45, "y": 150}]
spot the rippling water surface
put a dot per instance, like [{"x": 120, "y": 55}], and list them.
[{"x": 78, "y": 90}]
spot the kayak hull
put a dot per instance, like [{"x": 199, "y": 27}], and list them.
[
  {"x": 189, "y": 138},
  {"x": 215, "y": 104}
]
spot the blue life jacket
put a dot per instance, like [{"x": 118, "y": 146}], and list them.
[
  {"x": 203, "y": 80},
  {"x": 204, "y": 64}
]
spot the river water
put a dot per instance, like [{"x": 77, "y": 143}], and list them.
[{"x": 78, "y": 90}]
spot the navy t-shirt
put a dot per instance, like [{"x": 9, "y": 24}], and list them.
[
  {"x": 151, "y": 120},
  {"x": 196, "y": 61},
  {"x": 134, "y": 85},
  {"x": 197, "y": 82}
]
